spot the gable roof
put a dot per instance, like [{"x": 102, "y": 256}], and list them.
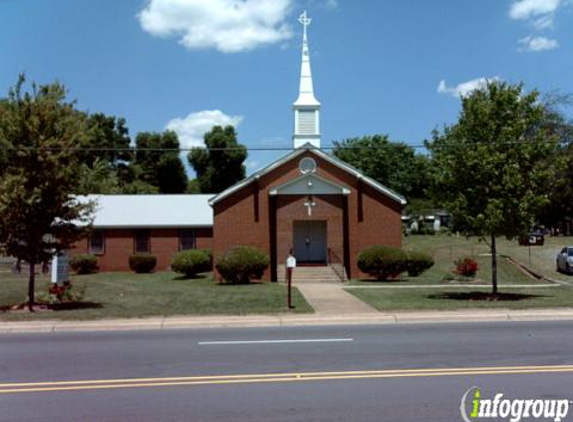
[
  {"x": 319, "y": 153},
  {"x": 151, "y": 211},
  {"x": 309, "y": 184}
]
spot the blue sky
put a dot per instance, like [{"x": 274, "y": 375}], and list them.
[{"x": 395, "y": 67}]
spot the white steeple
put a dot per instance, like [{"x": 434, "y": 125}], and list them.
[{"x": 306, "y": 107}]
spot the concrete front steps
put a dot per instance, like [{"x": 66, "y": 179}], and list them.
[{"x": 320, "y": 274}]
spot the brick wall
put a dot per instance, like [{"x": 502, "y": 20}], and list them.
[
  {"x": 243, "y": 218},
  {"x": 119, "y": 245},
  {"x": 290, "y": 208}
]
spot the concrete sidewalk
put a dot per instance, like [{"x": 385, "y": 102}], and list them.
[
  {"x": 290, "y": 320},
  {"x": 331, "y": 299}
]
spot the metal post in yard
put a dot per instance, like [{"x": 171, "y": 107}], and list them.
[
  {"x": 289, "y": 288},
  {"x": 290, "y": 266}
]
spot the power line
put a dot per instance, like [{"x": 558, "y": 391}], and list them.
[{"x": 136, "y": 150}]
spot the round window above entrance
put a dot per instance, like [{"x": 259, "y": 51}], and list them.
[{"x": 307, "y": 165}]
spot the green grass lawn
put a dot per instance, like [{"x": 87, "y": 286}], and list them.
[
  {"x": 507, "y": 272},
  {"x": 127, "y": 295},
  {"x": 456, "y": 298},
  {"x": 540, "y": 258},
  {"x": 446, "y": 249}
]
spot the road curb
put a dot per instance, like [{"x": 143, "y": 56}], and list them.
[{"x": 284, "y": 320}]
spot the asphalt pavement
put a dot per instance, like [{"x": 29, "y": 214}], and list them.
[{"x": 416, "y": 372}]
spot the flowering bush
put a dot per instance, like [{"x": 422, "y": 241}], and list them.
[
  {"x": 467, "y": 267},
  {"x": 59, "y": 294}
]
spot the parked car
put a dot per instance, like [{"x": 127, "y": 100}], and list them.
[
  {"x": 564, "y": 260},
  {"x": 534, "y": 238}
]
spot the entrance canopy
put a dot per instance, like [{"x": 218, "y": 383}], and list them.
[{"x": 310, "y": 184}]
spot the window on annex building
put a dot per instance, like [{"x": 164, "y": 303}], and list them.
[
  {"x": 142, "y": 243},
  {"x": 186, "y": 239},
  {"x": 96, "y": 242}
]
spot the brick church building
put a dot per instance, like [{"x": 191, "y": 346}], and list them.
[{"x": 308, "y": 201}]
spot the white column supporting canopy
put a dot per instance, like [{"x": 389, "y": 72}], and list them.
[{"x": 306, "y": 107}]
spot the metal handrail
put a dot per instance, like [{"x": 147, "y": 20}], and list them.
[{"x": 339, "y": 271}]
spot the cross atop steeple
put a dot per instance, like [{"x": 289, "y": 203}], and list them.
[
  {"x": 306, "y": 107},
  {"x": 305, "y": 21}
]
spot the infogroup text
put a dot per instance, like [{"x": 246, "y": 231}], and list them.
[{"x": 474, "y": 407}]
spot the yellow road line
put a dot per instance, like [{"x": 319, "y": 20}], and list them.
[
  {"x": 278, "y": 377},
  {"x": 287, "y": 374}
]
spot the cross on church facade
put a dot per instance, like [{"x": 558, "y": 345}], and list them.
[{"x": 310, "y": 204}]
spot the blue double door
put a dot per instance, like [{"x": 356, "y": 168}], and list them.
[{"x": 310, "y": 245}]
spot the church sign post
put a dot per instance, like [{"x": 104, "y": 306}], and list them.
[{"x": 290, "y": 266}]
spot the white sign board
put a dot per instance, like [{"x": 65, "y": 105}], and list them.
[{"x": 60, "y": 268}]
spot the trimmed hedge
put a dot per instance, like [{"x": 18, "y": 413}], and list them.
[
  {"x": 241, "y": 264},
  {"x": 383, "y": 262},
  {"x": 142, "y": 263},
  {"x": 418, "y": 262},
  {"x": 191, "y": 262},
  {"x": 84, "y": 264}
]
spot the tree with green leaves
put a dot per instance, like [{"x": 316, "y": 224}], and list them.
[
  {"x": 108, "y": 136},
  {"x": 106, "y": 156},
  {"x": 489, "y": 166},
  {"x": 394, "y": 164},
  {"x": 220, "y": 165},
  {"x": 39, "y": 215},
  {"x": 158, "y": 163},
  {"x": 558, "y": 213}
]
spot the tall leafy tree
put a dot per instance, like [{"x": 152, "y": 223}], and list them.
[
  {"x": 97, "y": 178},
  {"x": 158, "y": 162},
  {"x": 38, "y": 213},
  {"x": 490, "y": 168},
  {"x": 559, "y": 210},
  {"x": 220, "y": 165},
  {"x": 394, "y": 164},
  {"x": 109, "y": 136},
  {"x": 106, "y": 156}
]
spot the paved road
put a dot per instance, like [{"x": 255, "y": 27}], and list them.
[{"x": 222, "y": 374}]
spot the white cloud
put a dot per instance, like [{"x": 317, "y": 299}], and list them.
[
  {"x": 526, "y": 9},
  {"x": 253, "y": 164},
  {"x": 536, "y": 44},
  {"x": 465, "y": 88},
  {"x": 229, "y": 26},
  {"x": 544, "y": 22},
  {"x": 331, "y": 4},
  {"x": 191, "y": 129},
  {"x": 540, "y": 14}
]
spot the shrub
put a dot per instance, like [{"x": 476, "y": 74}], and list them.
[
  {"x": 241, "y": 264},
  {"x": 191, "y": 262},
  {"x": 60, "y": 294},
  {"x": 467, "y": 267},
  {"x": 142, "y": 263},
  {"x": 418, "y": 262},
  {"x": 383, "y": 262},
  {"x": 84, "y": 264},
  {"x": 426, "y": 230}
]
